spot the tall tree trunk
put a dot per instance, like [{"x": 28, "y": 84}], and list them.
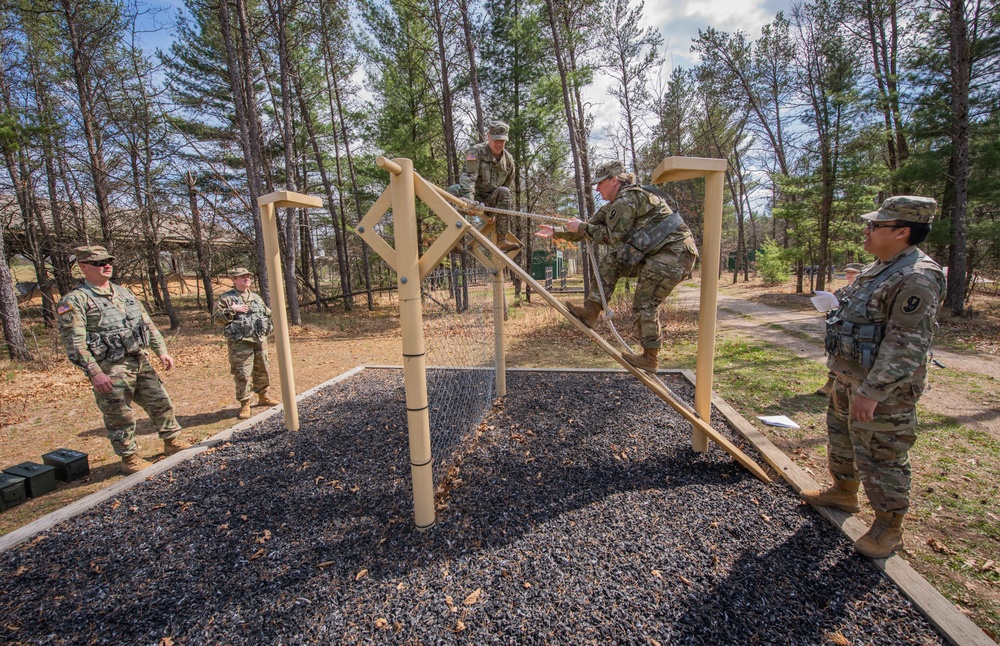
[
  {"x": 957, "y": 199},
  {"x": 241, "y": 85},
  {"x": 91, "y": 132},
  {"x": 10, "y": 314},
  {"x": 331, "y": 200},
  {"x": 204, "y": 268},
  {"x": 470, "y": 49},
  {"x": 573, "y": 142}
]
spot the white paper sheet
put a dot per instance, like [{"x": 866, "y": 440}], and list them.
[
  {"x": 824, "y": 301},
  {"x": 778, "y": 420}
]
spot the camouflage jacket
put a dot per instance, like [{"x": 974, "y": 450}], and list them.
[
  {"x": 255, "y": 324},
  {"x": 905, "y": 302},
  {"x": 633, "y": 209},
  {"x": 88, "y": 316},
  {"x": 484, "y": 173}
]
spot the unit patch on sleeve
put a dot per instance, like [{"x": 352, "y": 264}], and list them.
[{"x": 65, "y": 307}]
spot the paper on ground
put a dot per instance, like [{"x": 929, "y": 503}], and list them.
[
  {"x": 824, "y": 301},
  {"x": 778, "y": 420}
]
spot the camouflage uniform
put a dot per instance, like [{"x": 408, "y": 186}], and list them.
[
  {"x": 878, "y": 342},
  {"x": 486, "y": 178},
  {"x": 246, "y": 335},
  {"x": 659, "y": 268},
  {"x": 108, "y": 330}
]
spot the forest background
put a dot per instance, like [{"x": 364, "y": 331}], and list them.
[
  {"x": 831, "y": 107},
  {"x": 821, "y": 112}
]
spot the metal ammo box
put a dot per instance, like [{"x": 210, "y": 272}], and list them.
[
  {"x": 69, "y": 464},
  {"x": 11, "y": 491},
  {"x": 39, "y": 479}
]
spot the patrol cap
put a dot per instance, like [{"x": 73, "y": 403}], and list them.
[
  {"x": 856, "y": 267},
  {"x": 608, "y": 169},
  {"x": 908, "y": 208},
  {"x": 499, "y": 131},
  {"x": 240, "y": 271},
  {"x": 92, "y": 254}
]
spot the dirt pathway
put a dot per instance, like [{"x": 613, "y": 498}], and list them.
[{"x": 957, "y": 390}]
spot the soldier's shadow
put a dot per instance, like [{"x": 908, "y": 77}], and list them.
[{"x": 144, "y": 427}]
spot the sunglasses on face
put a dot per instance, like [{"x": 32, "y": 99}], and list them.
[
  {"x": 98, "y": 263},
  {"x": 872, "y": 226}
]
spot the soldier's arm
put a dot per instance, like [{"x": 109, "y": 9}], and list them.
[
  {"x": 222, "y": 314},
  {"x": 618, "y": 220},
  {"x": 509, "y": 182},
  {"x": 156, "y": 342},
  {"x": 907, "y": 338},
  {"x": 72, "y": 322},
  {"x": 467, "y": 180}
]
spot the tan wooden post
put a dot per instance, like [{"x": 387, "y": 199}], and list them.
[
  {"x": 499, "y": 310},
  {"x": 272, "y": 261},
  {"x": 411, "y": 322},
  {"x": 674, "y": 169}
]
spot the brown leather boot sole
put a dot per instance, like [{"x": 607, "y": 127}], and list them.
[
  {"x": 842, "y": 500},
  {"x": 640, "y": 362}
]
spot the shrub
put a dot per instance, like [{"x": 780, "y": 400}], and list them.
[{"x": 772, "y": 265}]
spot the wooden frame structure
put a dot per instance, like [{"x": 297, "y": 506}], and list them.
[
  {"x": 405, "y": 186},
  {"x": 272, "y": 252}
]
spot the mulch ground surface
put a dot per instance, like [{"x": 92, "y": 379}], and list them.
[{"x": 577, "y": 514}]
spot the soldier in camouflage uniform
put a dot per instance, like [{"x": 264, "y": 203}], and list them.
[
  {"x": 106, "y": 333},
  {"x": 878, "y": 343},
  {"x": 487, "y": 179},
  {"x": 248, "y": 322},
  {"x": 650, "y": 241}
]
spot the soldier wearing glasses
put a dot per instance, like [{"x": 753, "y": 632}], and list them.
[
  {"x": 878, "y": 343},
  {"x": 108, "y": 334}
]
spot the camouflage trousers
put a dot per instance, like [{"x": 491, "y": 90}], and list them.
[
  {"x": 134, "y": 380},
  {"x": 658, "y": 275},
  {"x": 875, "y": 452},
  {"x": 248, "y": 364},
  {"x": 501, "y": 198}
]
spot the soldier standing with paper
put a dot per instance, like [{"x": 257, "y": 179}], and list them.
[{"x": 878, "y": 343}]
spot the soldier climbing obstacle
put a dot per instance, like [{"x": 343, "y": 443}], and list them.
[
  {"x": 487, "y": 178},
  {"x": 650, "y": 241},
  {"x": 248, "y": 322}
]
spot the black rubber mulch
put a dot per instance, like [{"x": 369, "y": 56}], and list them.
[{"x": 578, "y": 515}]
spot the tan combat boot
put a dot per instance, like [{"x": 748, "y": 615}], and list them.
[
  {"x": 646, "y": 361},
  {"x": 826, "y": 388},
  {"x": 842, "y": 494},
  {"x": 134, "y": 463},
  {"x": 884, "y": 537},
  {"x": 244, "y": 410},
  {"x": 264, "y": 400},
  {"x": 507, "y": 246},
  {"x": 587, "y": 313},
  {"x": 175, "y": 445}
]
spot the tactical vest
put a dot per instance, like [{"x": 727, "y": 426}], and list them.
[
  {"x": 849, "y": 332},
  {"x": 118, "y": 334},
  {"x": 252, "y": 323},
  {"x": 650, "y": 229}
]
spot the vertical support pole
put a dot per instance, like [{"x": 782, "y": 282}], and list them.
[
  {"x": 710, "y": 257},
  {"x": 498, "y": 330},
  {"x": 272, "y": 262},
  {"x": 411, "y": 320}
]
